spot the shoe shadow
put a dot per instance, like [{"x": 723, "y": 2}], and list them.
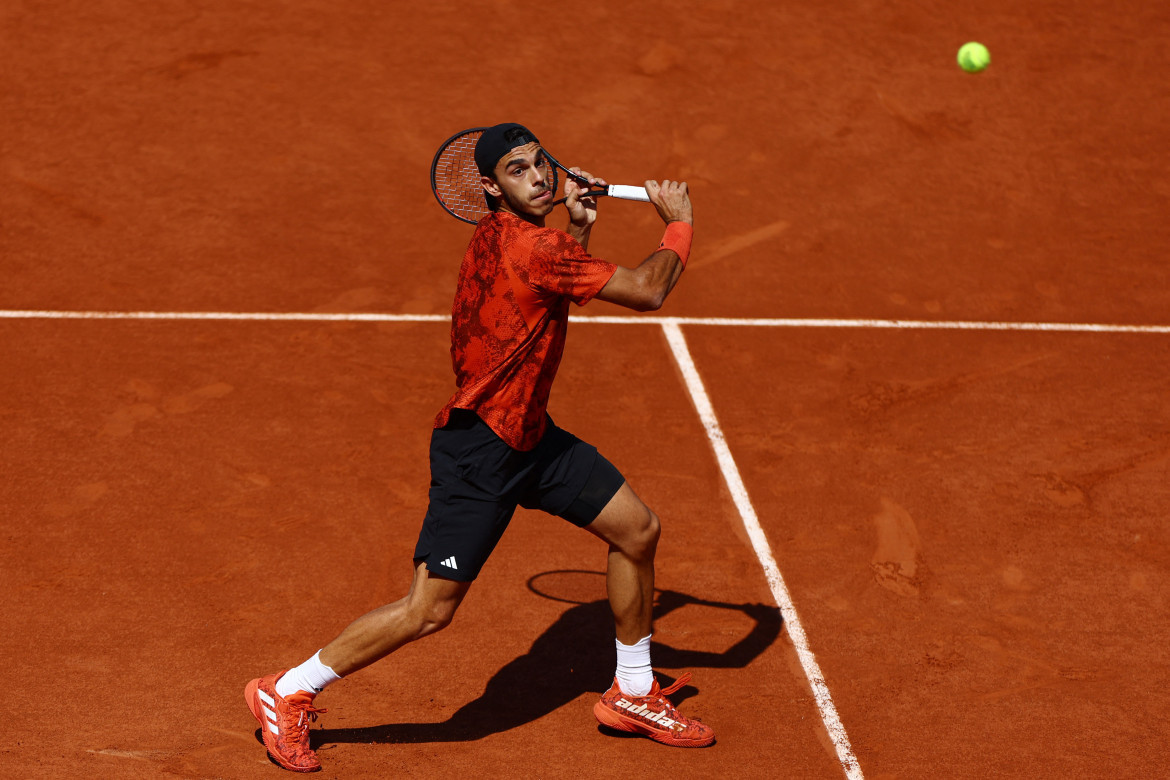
[{"x": 574, "y": 656}]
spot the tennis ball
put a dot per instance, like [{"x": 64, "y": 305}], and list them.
[{"x": 973, "y": 57}]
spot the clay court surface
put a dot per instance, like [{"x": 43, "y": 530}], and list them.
[{"x": 970, "y": 523}]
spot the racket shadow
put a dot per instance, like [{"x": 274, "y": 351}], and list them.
[{"x": 573, "y": 656}]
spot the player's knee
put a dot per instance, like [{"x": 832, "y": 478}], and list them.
[
  {"x": 437, "y": 618},
  {"x": 432, "y": 617},
  {"x": 644, "y": 540}
]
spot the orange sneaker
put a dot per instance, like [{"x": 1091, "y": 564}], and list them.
[
  {"x": 284, "y": 722},
  {"x": 652, "y": 716}
]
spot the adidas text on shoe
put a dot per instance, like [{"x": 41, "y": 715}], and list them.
[
  {"x": 284, "y": 723},
  {"x": 652, "y": 716}
]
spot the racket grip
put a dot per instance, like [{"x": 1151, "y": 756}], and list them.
[{"x": 626, "y": 192}]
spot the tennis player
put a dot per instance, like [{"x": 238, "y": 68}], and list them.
[{"x": 494, "y": 447}]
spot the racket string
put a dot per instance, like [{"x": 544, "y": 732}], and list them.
[{"x": 455, "y": 178}]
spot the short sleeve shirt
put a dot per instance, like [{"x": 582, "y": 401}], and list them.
[{"x": 509, "y": 321}]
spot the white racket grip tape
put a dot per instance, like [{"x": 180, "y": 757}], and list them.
[{"x": 626, "y": 192}]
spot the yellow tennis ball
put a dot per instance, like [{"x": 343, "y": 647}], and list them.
[{"x": 973, "y": 57}]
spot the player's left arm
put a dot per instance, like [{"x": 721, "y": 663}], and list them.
[
  {"x": 645, "y": 287},
  {"x": 582, "y": 211}
]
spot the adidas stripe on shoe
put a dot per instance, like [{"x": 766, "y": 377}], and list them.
[
  {"x": 652, "y": 716},
  {"x": 284, "y": 723}
]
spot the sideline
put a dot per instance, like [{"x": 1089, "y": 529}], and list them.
[{"x": 747, "y": 513}]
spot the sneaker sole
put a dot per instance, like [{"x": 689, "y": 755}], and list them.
[
  {"x": 610, "y": 719},
  {"x": 253, "y": 701}
]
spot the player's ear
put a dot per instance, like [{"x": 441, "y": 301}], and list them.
[{"x": 490, "y": 186}]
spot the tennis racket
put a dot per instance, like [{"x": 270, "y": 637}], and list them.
[{"x": 455, "y": 179}]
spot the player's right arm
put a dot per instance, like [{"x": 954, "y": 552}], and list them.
[{"x": 645, "y": 288}]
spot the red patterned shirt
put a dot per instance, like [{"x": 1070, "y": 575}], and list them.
[{"x": 509, "y": 320}]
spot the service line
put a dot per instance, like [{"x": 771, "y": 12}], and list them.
[
  {"x": 743, "y": 322},
  {"x": 751, "y": 522}
]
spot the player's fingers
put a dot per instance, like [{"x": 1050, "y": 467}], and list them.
[{"x": 577, "y": 175}]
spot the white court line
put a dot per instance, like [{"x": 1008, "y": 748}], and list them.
[
  {"x": 1056, "y": 327},
  {"x": 15, "y": 314},
  {"x": 747, "y": 513}
]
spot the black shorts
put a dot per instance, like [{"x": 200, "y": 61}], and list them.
[{"x": 477, "y": 481}]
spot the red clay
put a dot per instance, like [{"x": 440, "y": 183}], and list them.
[{"x": 971, "y": 524}]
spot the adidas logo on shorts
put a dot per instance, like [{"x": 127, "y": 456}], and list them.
[{"x": 450, "y": 563}]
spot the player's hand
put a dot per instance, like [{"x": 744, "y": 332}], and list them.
[
  {"x": 582, "y": 211},
  {"x": 672, "y": 200}
]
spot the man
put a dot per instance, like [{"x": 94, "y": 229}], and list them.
[{"x": 494, "y": 446}]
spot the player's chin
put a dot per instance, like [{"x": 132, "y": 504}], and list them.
[{"x": 542, "y": 204}]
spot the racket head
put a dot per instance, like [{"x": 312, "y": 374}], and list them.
[{"x": 455, "y": 178}]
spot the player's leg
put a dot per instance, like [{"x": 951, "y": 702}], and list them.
[
  {"x": 470, "y": 507},
  {"x": 464, "y": 522},
  {"x": 635, "y": 702},
  {"x": 574, "y": 481},
  {"x": 631, "y": 530},
  {"x": 579, "y": 484},
  {"x": 283, "y": 702},
  {"x": 428, "y": 607}
]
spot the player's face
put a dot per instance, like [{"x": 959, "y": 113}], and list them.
[{"x": 521, "y": 183}]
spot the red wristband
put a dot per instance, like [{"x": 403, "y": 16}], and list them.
[{"x": 678, "y": 240}]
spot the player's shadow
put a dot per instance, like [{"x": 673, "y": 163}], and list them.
[{"x": 572, "y": 657}]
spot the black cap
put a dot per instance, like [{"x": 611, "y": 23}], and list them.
[{"x": 497, "y": 141}]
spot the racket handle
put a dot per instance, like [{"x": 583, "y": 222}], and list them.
[
  {"x": 619, "y": 191},
  {"x": 626, "y": 192}
]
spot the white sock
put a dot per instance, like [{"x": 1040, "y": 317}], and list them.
[
  {"x": 635, "y": 675},
  {"x": 311, "y": 677}
]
